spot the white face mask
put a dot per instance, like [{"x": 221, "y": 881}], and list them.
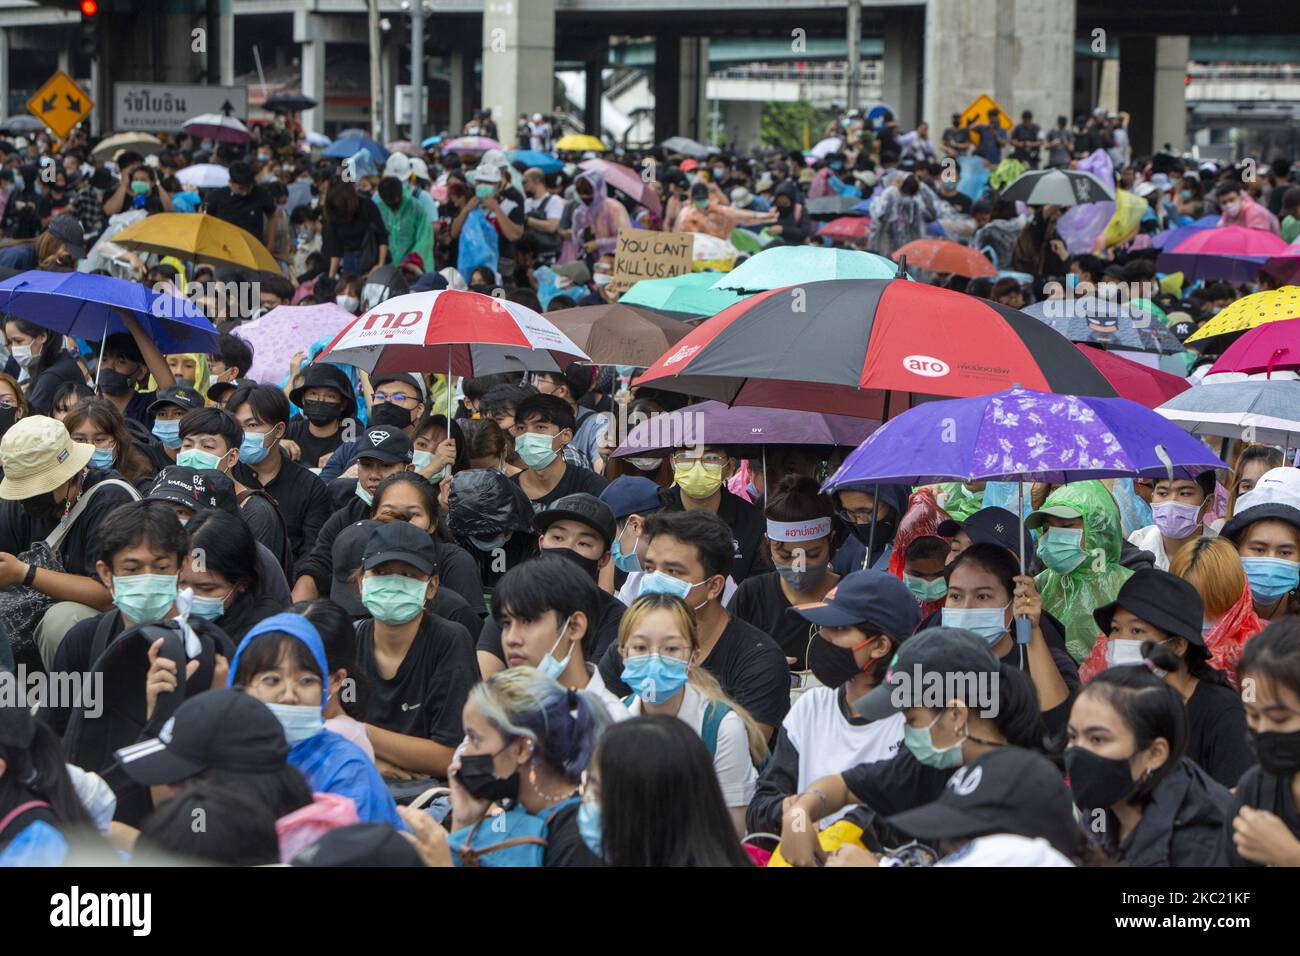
[
  {"x": 1120, "y": 652},
  {"x": 602, "y": 278},
  {"x": 24, "y": 355},
  {"x": 348, "y": 302}
]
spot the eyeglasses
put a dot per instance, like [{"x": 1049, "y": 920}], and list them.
[
  {"x": 711, "y": 460},
  {"x": 854, "y": 517},
  {"x": 397, "y": 398}
]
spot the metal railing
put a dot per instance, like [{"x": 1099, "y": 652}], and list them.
[{"x": 872, "y": 71}]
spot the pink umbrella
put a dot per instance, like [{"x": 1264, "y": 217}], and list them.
[
  {"x": 1285, "y": 266},
  {"x": 627, "y": 180},
  {"x": 846, "y": 227},
  {"x": 470, "y": 144},
  {"x": 404, "y": 146},
  {"x": 286, "y": 330},
  {"x": 1136, "y": 382},
  {"x": 219, "y": 127},
  {"x": 1271, "y": 347},
  {"x": 1234, "y": 253}
]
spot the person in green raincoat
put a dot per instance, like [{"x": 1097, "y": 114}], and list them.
[
  {"x": 1079, "y": 545},
  {"x": 408, "y": 225},
  {"x": 962, "y": 500}
]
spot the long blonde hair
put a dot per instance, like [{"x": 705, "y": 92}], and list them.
[{"x": 697, "y": 676}]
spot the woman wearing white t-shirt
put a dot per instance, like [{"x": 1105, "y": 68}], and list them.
[{"x": 659, "y": 643}]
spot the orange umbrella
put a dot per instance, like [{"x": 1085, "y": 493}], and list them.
[{"x": 942, "y": 255}]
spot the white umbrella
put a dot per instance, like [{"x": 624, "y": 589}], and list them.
[
  {"x": 317, "y": 139},
  {"x": 1263, "y": 410},
  {"x": 204, "y": 176},
  {"x": 143, "y": 143},
  {"x": 827, "y": 146}
]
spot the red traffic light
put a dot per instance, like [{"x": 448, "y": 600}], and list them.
[{"x": 89, "y": 7}]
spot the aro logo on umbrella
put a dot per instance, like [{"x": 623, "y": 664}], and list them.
[
  {"x": 925, "y": 365},
  {"x": 683, "y": 353}
]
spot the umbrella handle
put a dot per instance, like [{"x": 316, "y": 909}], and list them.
[{"x": 1023, "y": 630}]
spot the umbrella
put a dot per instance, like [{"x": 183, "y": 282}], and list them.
[
  {"x": 580, "y": 143},
  {"x": 317, "y": 139},
  {"x": 1285, "y": 266},
  {"x": 941, "y": 255},
  {"x": 748, "y": 242},
  {"x": 204, "y": 175},
  {"x": 460, "y": 333},
  {"x": 827, "y": 207},
  {"x": 689, "y": 295},
  {"x": 721, "y": 424},
  {"x": 217, "y": 126},
  {"x": 22, "y": 123},
  {"x": 1104, "y": 323},
  {"x": 143, "y": 143},
  {"x": 628, "y": 181},
  {"x": 347, "y": 147},
  {"x": 787, "y": 265},
  {"x": 429, "y": 141},
  {"x": 685, "y": 146},
  {"x": 354, "y": 132},
  {"x": 532, "y": 157},
  {"x": 1250, "y": 311},
  {"x": 1058, "y": 187},
  {"x": 404, "y": 146},
  {"x": 1274, "y": 346},
  {"x": 846, "y": 227},
  {"x": 1234, "y": 253},
  {"x": 470, "y": 144},
  {"x": 1138, "y": 383},
  {"x": 88, "y": 306},
  {"x": 1265, "y": 410},
  {"x": 826, "y": 146},
  {"x": 199, "y": 238},
  {"x": 1172, "y": 237},
  {"x": 838, "y": 346},
  {"x": 286, "y": 330},
  {"x": 292, "y": 101},
  {"x": 619, "y": 334}
]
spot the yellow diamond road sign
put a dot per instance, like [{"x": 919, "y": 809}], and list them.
[
  {"x": 978, "y": 112},
  {"x": 60, "y": 104}
]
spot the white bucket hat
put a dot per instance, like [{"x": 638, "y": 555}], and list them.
[{"x": 38, "y": 455}]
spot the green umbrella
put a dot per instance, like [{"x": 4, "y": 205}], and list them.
[
  {"x": 690, "y": 293},
  {"x": 749, "y": 242},
  {"x": 788, "y": 265}
]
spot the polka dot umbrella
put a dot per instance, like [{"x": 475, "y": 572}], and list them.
[{"x": 1259, "y": 308}]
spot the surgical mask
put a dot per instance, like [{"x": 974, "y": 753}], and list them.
[
  {"x": 488, "y": 544},
  {"x": 627, "y": 561},
  {"x": 480, "y": 780},
  {"x": 209, "y": 608},
  {"x": 168, "y": 432},
  {"x": 1278, "y": 753},
  {"x": 924, "y": 590},
  {"x": 1060, "y": 549},
  {"x": 837, "y": 166},
  {"x": 484, "y": 191},
  {"x": 364, "y": 495},
  {"x": 113, "y": 382},
  {"x": 7, "y": 418},
  {"x": 102, "y": 458},
  {"x": 645, "y": 464},
  {"x": 1097, "y": 781},
  {"x": 802, "y": 579},
  {"x": 698, "y": 480},
  {"x": 139, "y": 188},
  {"x": 299, "y": 721},
  {"x": 423, "y": 459},
  {"x": 656, "y": 582},
  {"x": 23, "y": 355},
  {"x": 602, "y": 278},
  {"x": 988, "y": 622},
  {"x": 548, "y": 664},
  {"x": 393, "y": 598},
  {"x": 1270, "y": 578},
  {"x": 145, "y": 598},
  {"x": 590, "y": 566},
  {"x": 701, "y": 204},
  {"x": 198, "y": 458},
  {"x": 653, "y": 677},
  {"x": 920, "y": 741},
  {"x": 253, "y": 448},
  {"x": 590, "y": 825},
  {"x": 1121, "y": 651},
  {"x": 535, "y": 451},
  {"x": 348, "y": 303},
  {"x": 833, "y": 665},
  {"x": 322, "y": 413},
  {"x": 1184, "y": 194},
  {"x": 1175, "y": 519}
]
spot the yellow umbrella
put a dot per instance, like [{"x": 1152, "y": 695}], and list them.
[
  {"x": 1249, "y": 311},
  {"x": 198, "y": 237},
  {"x": 580, "y": 143}
]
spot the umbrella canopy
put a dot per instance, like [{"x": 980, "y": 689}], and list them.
[
  {"x": 746, "y": 241},
  {"x": 349, "y": 146},
  {"x": 1172, "y": 237},
  {"x": 1285, "y": 266},
  {"x": 317, "y": 139},
  {"x": 846, "y": 227},
  {"x": 1023, "y": 435},
  {"x": 292, "y": 101},
  {"x": 1138, "y": 383},
  {"x": 143, "y": 143},
  {"x": 204, "y": 176},
  {"x": 1058, "y": 187},
  {"x": 686, "y": 146},
  {"x": 404, "y": 146},
  {"x": 199, "y": 238},
  {"x": 1274, "y": 346},
  {"x": 619, "y": 334},
  {"x": 825, "y": 346},
  {"x": 470, "y": 144},
  {"x": 1251, "y": 311},
  {"x": 1233, "y": 253},
  {"x": 84, "y": 305},
  {"x": 354, "y": 132},
  {"x": 828, "y": 207},
  {"x": 1106, "y": 324},
  {"x": 580, "y": 143},
  {"x": 460, "y": 333},
  {"x": 720, "y": 424},
  {"x": 826, "y": 146},
  {"x": 429, "y": 141},
  {"x": 286, "y": 330},
  {"x": 942, "y": 255},
  {"x": 217, "y": 126},
  {"x": 22, "y": 123},
  {"x": 1268, "y": 410},
  {"x": 689, "y": 295},
  {"x": 532, "y": 157},
  {"x": 782, "y": 266},
  {"x": 628, "y": 181}
]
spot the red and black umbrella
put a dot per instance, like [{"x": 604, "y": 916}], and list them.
[{"x": 840, "y": 346}]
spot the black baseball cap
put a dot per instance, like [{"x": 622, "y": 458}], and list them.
[
  {"x": 180, "y": 395},
  {"x": 1007, "y": 790},
  {"x": 224, "y": 730},
  {"x": 220, "y": 388},
  {"x": 1163, "y": 600},
  {"x": 584, "y": 509},
  {"x": 949, "y": 659},
  {"x": 992, "y": 525},
  {"x": 400, "y": 541},
  {"x": 362, "y": 844},
  {"x": 873, "y": 598},
  {"x": 385, "y": 443},
  {"x": 346, "y": 554},
  {"x": 194, "y": 488}
]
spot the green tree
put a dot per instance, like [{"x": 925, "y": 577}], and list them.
[{"x": 783, "y": 124}]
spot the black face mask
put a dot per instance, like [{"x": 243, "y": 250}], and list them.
[
  {"x": 590, "y": 565},
  {"x": 1278, "y": 753},
  {"x": 113, "y": 382},
  {"x": 476, "y": 776},
  {"x": 394, "y": 416},
  {"x": 322, "y": 413},
  {"x": 885, "y": 529},
  {"x": 831, "y": 665},
  {"x": 41, "y": 507},
  {"x": 1096, "y": 781},
  {"x": 7, "y": 418}
]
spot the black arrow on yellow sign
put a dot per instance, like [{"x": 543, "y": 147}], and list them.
[
  {"x": 74, "y": 103},
  {"x": 48, "y": 105}
]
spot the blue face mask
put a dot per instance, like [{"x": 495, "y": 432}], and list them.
[
  {"x": 169, "y": 433},
  {"x": 920, "y": 741},
  {"x": 198, "y": 458},
  {"x": 625, "y": 561},
  {"x": 253, "y": 448},
  {"x": 656, "y": 582},
  {"x": 102, "y": 458},
  {"x": 548, "y": 664},
  {"x": 589, "y": 825},
  {"x": 299, "y": 721},
  {"x": 364, "y": 495},
  {"x": 654, "y": 678},
  {"x": 1060, "y": 551},
  {"x": 210, "y": 608},
  {"x": 988, "y": 622},
  {"x": 144, "y": 598},
  {"x": 1270, "y": 578}
]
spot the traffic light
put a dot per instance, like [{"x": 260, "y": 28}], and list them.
[{"x": 89, "y": 28}]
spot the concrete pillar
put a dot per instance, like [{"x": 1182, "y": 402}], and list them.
[
  {"x": 1172, "y": 55},
  {"x": 593, "y": 93},
  {"x": 456, "y": 91},
  {"x": 853, "y": 25},
  {"x": 313, "y": 84},
  {"x": 65, "y": 60},
  {"x": 1151, "y": 75},
  {"x": 226, "y": 47},
  {"x": 389, "y": 69},
  {"x": 518, "y": 61},
  {"x": 902, "y": 66},
  {"x": 667, "y": 85},
  {"x": 744, "y": 124},
  {"x": 693, "y": 100},
  {"x": 4, "y": 71}
]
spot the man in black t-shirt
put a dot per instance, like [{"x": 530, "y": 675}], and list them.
[
  {"x": 1026, "y": 140},
  {"x": 244, "y": 204},
  {"x": 544, "y": 424},
  {"x": 328, "y": 404}
]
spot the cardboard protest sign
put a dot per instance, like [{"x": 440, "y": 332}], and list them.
[{"x": 644, "y": 254}]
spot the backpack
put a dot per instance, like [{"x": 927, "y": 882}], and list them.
[{"x": 714, "y": 711}]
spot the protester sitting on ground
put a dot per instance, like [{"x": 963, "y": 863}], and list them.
[
  {"x": 1178, "y": 507},
  {"x": 544, "y": 424},
  {"x": 237, "y": 830},
  {"x": 227, "y": 578},
  {"x": 699, "y": 477},
  {"x": 856, "y": 510},
  {"x": 1265, "y": 527},
  {"x": 1213, "y": 568},
  {"x": 328, "y": 405},
  {"x": 98, "y": 422}
]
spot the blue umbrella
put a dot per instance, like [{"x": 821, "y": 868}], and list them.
[
  {"x": 531, "y": 157},
  {"x": 343, "y": 148},
  {"x": 1172, "y": 237},
  {"x": 430, "y": 141},
  {"x": 87, "y": 306}
]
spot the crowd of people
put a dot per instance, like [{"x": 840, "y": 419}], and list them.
[{"x": 392, "y": 619}]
